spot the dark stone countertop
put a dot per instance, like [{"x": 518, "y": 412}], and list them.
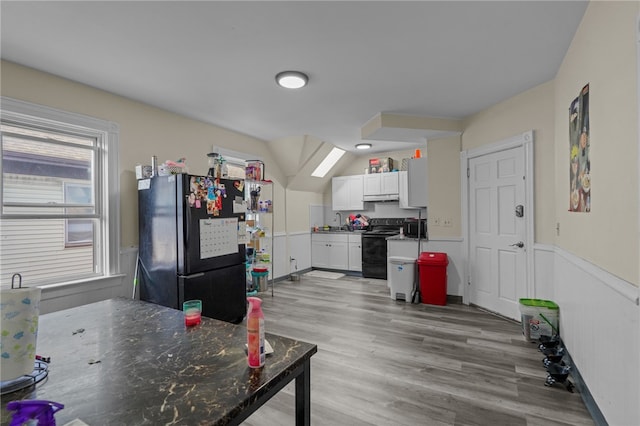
[
  {"x": 338, "y": 231},
  {"x": 126, "y": 362}
]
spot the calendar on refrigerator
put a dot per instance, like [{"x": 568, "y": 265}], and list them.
[{"x": 218, "y": 237}]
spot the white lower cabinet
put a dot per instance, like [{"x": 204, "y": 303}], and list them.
[
  {"x": 330, "y": 251},
  {"x": 319, "y": 253},
  {"x": 355, "y": 252}
]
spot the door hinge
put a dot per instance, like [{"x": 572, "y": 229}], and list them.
[{"x": 468, "y": 172}]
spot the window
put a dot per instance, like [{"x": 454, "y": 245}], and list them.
[
  {"x": 235, "y": 161},
  {"x": 329, "y": 161},
  {"x": 59, "y": 211}
]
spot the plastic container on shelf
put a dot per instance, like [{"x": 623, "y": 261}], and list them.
[
  {"x": 260, "y": 278},
  {"x": 539, "y": 318},
  {"x": 401, "y": 277},
  {"x": 433, "y": 277}
]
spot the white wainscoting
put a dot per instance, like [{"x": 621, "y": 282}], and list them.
[
  {"x": 543, "y": 272},
  {"x": 600, "y": 326},
  {"x": 297, "y": 247},
  {"x": 452, "y": 246},
  {"x": 279, "y": 256},
  {"x": 69, "y": 295},
  {"x": 300, "y": 250}
]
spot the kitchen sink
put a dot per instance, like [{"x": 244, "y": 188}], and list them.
[{"x": 334, "y": 229}]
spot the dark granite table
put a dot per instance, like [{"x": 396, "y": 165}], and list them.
[{"x": 126, "y": 362}]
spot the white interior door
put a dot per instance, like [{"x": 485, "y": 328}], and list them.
[{"x": 497, "y": 259}]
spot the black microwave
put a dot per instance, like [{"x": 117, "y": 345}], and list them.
[{"x": 410, "y": 228}]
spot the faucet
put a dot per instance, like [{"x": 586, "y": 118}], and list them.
[{"x": 339, "y": 220}]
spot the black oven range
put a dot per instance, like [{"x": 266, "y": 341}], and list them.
[{"x": 374, "y": 246}]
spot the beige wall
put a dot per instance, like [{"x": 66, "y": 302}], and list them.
[
  {"x": 443, "y": 161},
  {"x": 603, "y": 54},
  {"x": 297, "y": 213},
  {"x": 530, "y": 110},
  {"x": 144, "y": 131}
]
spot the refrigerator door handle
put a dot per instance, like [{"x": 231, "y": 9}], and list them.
[
  {"x": 188, "y": 277},
  {"x": 181, "y": 282}
]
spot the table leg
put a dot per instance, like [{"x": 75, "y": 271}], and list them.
[{"x": 303, "y": 395}]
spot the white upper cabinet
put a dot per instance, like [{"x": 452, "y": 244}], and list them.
[
  {"x": 381, "y": 186},
  {"x": 356, "y": 189},
  {"x": 346, "y": 193},
  {"x": 372, "y": 184},
  {"x": 389, "y": 183},
  {"x": 340, "y": 193},
  {"x": 413, "y": 184}
]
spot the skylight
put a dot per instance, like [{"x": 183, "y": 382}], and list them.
[{"x": 328, "y": 162}]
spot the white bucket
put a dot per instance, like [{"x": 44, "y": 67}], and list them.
[{"x": 19, "y": 313}]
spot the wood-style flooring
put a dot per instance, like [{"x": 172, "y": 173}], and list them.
[{"x": 387, "y": 362}]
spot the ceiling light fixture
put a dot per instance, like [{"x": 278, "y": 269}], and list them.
[
  {"x": 292, "y": 79},
  {"x": 363, "y": 146}
]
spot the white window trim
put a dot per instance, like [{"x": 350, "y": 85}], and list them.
[{"x": 33, "y": 114}]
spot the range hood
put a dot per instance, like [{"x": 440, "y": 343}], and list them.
[{"x": 381, "y": 197}]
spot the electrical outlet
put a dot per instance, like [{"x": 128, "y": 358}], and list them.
[
  {"x": 446, "y": 222},
  {"x": 436, "y": 221}
]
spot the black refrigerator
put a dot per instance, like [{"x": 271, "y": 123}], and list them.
[{"x": 190, "y": 234}]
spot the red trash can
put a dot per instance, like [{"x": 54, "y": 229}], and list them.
[{"x": 433, "y": 277}]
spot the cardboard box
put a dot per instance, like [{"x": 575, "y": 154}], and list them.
[{"x": 380, "y": 165}]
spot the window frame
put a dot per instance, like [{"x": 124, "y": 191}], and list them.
[{"x": 13, "y": 111}]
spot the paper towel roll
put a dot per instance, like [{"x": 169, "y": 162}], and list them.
[{"x": 19, "y": 310}]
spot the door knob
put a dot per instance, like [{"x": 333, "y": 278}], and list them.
[{"x": 519, "y": 244}]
